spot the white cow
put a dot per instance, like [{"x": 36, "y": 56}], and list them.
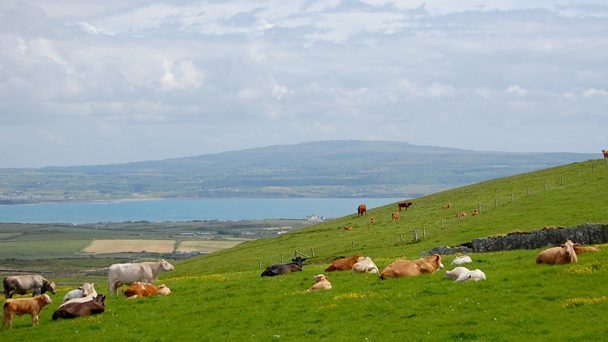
[
  {"x": 365, "y": 266},
  {"x": 474, "y": 275},
  {"x": 91, "y": 296},
  {"x": 145, "y": 272},
  {"x": 80, "y": 292},
  {"x": 456, "y": 272},
  {"x": 462, "y": 260}
]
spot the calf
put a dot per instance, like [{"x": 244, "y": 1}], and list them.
[
  {"x": 558, "y": 255},
  {"x": 22, "y": 306},
  {"x": 474, "y": 275},
  {"x": 394, "y": 216},
  {"x": 447, "y": 206},
  {"x": 365, "y": 266},
  {"x": 80, "y": 292},
  {"x": 350, "y": 228},
  {"x": 71, "y": 310},
  {"x": 322, "y": 283},
  {"x": 463, "y": 259},
  {"x": 475, "y": 212},
  {"x": 456, "y": 272},
  {"x": 372, "y": 220},
  {"x": 344, "y": 263}
]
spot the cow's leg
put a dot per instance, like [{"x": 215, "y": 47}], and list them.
[
  {"x": 34, "y": 320},
  {"x": 111, "y": 287}
]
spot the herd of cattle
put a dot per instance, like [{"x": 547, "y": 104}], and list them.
[
  {"x": 141, "y": 277},
  {"x": 83, "y": 301}
]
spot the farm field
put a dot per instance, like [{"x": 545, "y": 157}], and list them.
[
  {"x": 126, "y": 246},
  {"x": 221, "y": 296},
  {"x": 207, "y": 246}
]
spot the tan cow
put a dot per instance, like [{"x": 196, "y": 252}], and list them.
[
  {"x": 139, "y": 289},
  {"x": 394, "y": 216},
  {"x": 372, "y": 220},
  {"x": 348, "y": 228},
  {"x": 580, "y": 249},
  {"x": 344, "y": 264},
  {"x": 461, "y": 214},
  {"x": 564, "y": 254},
  {"x": 322, "y": 283},
  {"x": 605, "y": 153},
  {"x": 447, "y": 206},
  {"x": 22, "y": 306},
  {"x": 411, "y": 268},
  {"x": 475, "y": 212}
]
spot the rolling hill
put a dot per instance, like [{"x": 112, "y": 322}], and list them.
[
  {"x": 314, "y": 169},
  {"x": 222, "y": 296}
]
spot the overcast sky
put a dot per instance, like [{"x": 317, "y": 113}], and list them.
[{"x": 97, "y": 82}]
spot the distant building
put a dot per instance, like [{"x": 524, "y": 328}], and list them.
[{"x": 315, "y": 218}]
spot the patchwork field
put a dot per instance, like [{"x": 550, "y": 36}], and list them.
[
  {"x": 133, "y": 246},
  {"x": 206, "y": 246}
]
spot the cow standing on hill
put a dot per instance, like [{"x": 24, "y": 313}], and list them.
[
  {"x": 145, "y": 272},
  {"x": 605, "y": 153},
  {"x": 361, "y": 209},
  {"x": 34, "y": 283},
  {"x": 404, "y": 205}
]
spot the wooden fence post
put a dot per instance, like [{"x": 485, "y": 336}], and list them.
[
  {"x": 441, "y": 223},
  {"x": 512, "y": 198},
  {"x": 260, "y": 265},
  {"x": 401, "y": 238},
  {"x": 312, "y": 251},
  {"x": 495, "y": 202},
  {"x": 423, "y": 232},
  {"x": 353, "y": 244},
  {"x": 415, "y": 234},
  {"x": 281, "y": 258}
]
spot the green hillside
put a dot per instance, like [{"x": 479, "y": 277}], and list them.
[{"x": 222, "y": 296}]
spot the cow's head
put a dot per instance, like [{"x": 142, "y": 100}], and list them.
[
  {"x": 299, "y": 260},
  {"x": 437, "y": 261},
  {"x": 320, "y": 277},
  {"x": 47, "y": 299},
  {"x": 48, "y": 286},
  {"x": 166, "y": 266},
  {"x": 569, "y": 248},
  {"x": 101, "y": 299}
]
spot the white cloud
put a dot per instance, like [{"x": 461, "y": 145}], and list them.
[
  {"x": 594, "y": 92},
  {"x": 515, "y": 89},
  {"x": 184, "y": 75}
]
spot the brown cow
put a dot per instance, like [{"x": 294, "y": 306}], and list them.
[
  {"x": 361, "y": 209},
  {"x": 605, "y": 153},
  {"x": 22, "y": 306},
  {"x": 461, "y": 214},
  {"x": 411, "y": 268},
  {"x": 564, "y": 254},
  {"x": 475, "y": 212},
  {"x": 447, "y": 206},
  {"x": 348, "y": 228},
  {"x": 79, "y": 309},
  {"x": 139, "y": 289},
  {"x": 344, "y": 264},
  {"x": 404, "y": 205},
  {"x": 322, "y": 283},
  {"x": 580, "y": 249},
  {"x": 394, "y": 216},
  {"x": 372, "y": 220}
]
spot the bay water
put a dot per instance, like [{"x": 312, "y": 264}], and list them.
[{"x": 186, "y": 209}]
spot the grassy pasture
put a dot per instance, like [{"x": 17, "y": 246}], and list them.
[
  {"x": 222, "y": 296},
  {"x": 208, "y": 246},
  {"x": 519, "y": 301}
]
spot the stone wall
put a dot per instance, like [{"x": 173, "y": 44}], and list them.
[{"x": 586, "y": 234}]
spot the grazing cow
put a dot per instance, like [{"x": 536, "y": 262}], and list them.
[
  {"x": 365, "y": 266},
  {"x": 372, "y": 220},
  {"x": 456, "y": 272},
  {"x": 558, "y": 255},
  {"x": 605, "y": 153},
  {"x": 138, "y": 289},
  {"x": 461, "y": 214},
  {"x": 361, "y": 209},
  {"x": 474, "y": 275},
  {"x": 348, "y": 228},
  {"x": 278, "y": 269},
  {"x": 463, "y": 259},
  {"x": 94, "y": 306},
  {"x": 344, "y": 264},
  {"x": 322, "y": 283},
  {"x": 475, "y": 212},
  {"x": 411, "y": 268},
  {"x": 34, "y": 283},
  {"x": 80, "y": 292},
  {"x": 146, "y": 272},
  {"x": 394, "y": 216},
  {"x": 22, "y": 306},
  {"x": 447, "y": 206},
  {"x": 404, "y": 205}
]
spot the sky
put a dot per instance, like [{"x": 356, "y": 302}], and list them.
[{"x": 100, "y": 82}]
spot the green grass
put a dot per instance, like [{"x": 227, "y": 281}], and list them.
[{"x": 222, "y": 296}]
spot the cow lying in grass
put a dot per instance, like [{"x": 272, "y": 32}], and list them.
[
  {"x": 463, "y": 259},
  {"x": 344, "y": 264},
  {"x": 474, "y": 275},
  {"x": 128, "y": 273},
  {"x": 456, "y": 272},
  {"x": 83, "y": 291},
  {"x": 412, "y": 268},
  {"x": 278, "y": 269},
  {"x": 564, "y": 254},
  {"x": 22, "y": 306},
  {"x": 322, "y": 283},
  {"x": 80, "y": 309},
  {"x": 365, "y": 266},
  {"x": 139, "y": 289}
]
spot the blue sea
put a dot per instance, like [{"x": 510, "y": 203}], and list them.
[{"x": 186, "y": 209}]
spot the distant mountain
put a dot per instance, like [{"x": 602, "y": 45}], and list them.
[{"x": 313, "y": 169}]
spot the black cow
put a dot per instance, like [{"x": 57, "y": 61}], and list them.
[
  {"x": 278, "y": 269},
  {"x": 34, "y": 283}
]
